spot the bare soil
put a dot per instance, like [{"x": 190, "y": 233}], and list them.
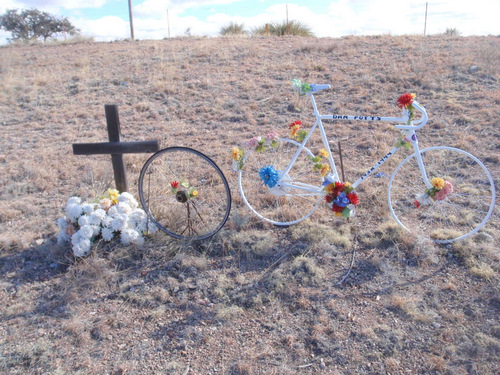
[{"x": 325, "y": 296}]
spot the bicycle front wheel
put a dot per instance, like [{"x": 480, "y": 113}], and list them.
[
  {"x": 452, "y": 216},
  {"x": 290, "y": 201},
  {"x": 184, "y": 193}
]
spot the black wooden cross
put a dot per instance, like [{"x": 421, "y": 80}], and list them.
[{"x": 115, "y": 147}]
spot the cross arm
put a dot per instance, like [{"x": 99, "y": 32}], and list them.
[{"x": 115, "y": 148}]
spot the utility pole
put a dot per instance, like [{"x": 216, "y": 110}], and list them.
[
  {"x": 131, "y": 20},
  {"x": 168, "y": 24},
  {"x": 425, "y": 24},
  {"x": 287, "y": 26}
]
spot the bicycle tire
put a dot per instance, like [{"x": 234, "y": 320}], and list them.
[
  {"x": 279, "y": 206},
  {"x": 178, "y": 212},
  {"x": 458, "y": 215}
]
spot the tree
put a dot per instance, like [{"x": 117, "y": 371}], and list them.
[{"x": 32, "y": 24}]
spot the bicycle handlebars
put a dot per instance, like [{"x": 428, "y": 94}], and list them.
[
  {"x": 414, "y": 125},
  {"x": 418, "y": 124}
]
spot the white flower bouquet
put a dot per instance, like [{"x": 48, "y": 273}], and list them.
[{"x": 113, "y": 215}]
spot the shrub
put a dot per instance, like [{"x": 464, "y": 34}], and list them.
[
  {"x": 279, "y": 29},
  {"x": 233, "y": 29},
  {"x": 452, "y": 32}
]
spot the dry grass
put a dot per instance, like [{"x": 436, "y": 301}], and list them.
[{"x": 254, "y": 299}]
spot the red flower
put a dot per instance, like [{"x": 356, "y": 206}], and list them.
[
  {"x": 339, "y": 187},
  {"x": 353, "y": 197},
  {"x": 416, "y": 204},
  {"x": 406, "y": 100},
  {"x": 336, "y": 208},
  {"x": 328, "y": 198},
  {"x": 294, "y": 124},
  {"x": 174, "y": 184}
]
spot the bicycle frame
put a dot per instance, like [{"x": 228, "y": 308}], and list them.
[{"x": 404, "y": 125}]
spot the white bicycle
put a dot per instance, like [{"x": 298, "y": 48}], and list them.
[{"x": 442, "y": 192}]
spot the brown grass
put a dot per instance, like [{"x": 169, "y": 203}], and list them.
[{"x": 253, "y": 299}]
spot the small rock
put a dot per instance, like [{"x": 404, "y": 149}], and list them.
[{"x": 473, "y": 69}]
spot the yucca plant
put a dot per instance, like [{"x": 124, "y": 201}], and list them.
[
  {"x": 279, "y": 29},
  {"x": 233, "y": 29}
]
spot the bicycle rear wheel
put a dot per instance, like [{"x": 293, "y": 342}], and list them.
[
  {"x": 456, "y": 216},
  {"x": 280, "y": 205},
  {"x": 184, "y": 193}
]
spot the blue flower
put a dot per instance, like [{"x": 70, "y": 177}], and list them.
[
  {"x": 269, "y": 176},
  {"x": 341, "y": 200}
]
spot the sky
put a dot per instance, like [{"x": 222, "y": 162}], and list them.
[{"x": 108, "y": 20}]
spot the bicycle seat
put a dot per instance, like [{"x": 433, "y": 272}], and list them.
[{"x": 315, "y": 88}]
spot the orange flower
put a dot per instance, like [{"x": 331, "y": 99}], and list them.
[
  {"x": 330, "y": 188},
  {"x": 325, "y": 170},
  {"x": 294, "y": 130}
]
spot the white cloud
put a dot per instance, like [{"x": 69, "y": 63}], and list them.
[{"x": 105, "y": 28}]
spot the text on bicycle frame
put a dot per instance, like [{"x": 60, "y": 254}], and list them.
[{"x": 367, "y": 118}]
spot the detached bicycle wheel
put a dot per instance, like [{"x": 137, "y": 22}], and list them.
[
  {"x": 450, "y": 216},
  {"x": 184, "y": 193},
  {"x": 280, "y": 204}
]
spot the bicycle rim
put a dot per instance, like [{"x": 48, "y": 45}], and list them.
[
  {"x": 280, "y": 206},
  {"x": 198, "y": 207},
  {"x": 458, "y": 215}
]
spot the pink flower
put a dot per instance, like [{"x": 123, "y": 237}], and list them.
[
  {"x": 444, "y": 192},
  {"x": 272, "y": 136},
  {"x": 252, "y": 142}
]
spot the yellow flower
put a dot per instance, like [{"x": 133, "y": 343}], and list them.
[
  {"x": 325, "y": 170},
  {"x": 438, "y": 183},
  {"x": 113, "y": 194},
  {"x": 347, "y": 184},
  {"x": 194, "y": 194},
  {"x": 323, "y": 153},
  {"x": 339, "y": 214},
  {"x": 235, "y": 154}
]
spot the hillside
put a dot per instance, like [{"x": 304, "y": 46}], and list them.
[{"x": 326, "y": 296}]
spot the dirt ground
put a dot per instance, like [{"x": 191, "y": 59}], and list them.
[{"x": 325, "y": 296}]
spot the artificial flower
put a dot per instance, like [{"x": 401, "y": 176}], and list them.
[
  {"x": 437, "y": 182},
  {"x": 105, "y": 204},
  {"x": 323, "y": 153},
  {"x": 324, "y": 170},
  {"x": 272, "y": 136},
  {"x": 84, "y": 223},
  {"x": 253, "y": 142},
  {"x": 236, "y": 154},
  {"x": 353, "y": 198},
  {"x": 269, "y": 176},
  {"x": 406, "y": 100},
  {"x": 294, "y": 129},
  {"x": 444, "y": 192},
  {"x": 341, "y": 200},
  {"x": 112, "y": 194}
]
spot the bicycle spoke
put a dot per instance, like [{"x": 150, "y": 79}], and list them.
[{"x": 458, "y": 215}]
